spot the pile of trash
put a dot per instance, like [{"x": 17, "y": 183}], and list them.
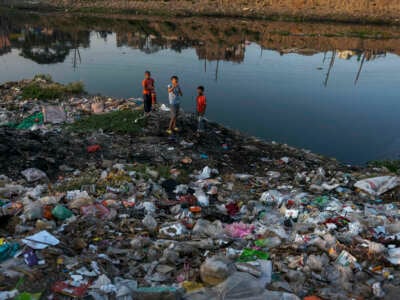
[
  {"x": 223, "y": 216},
  {"x": 45, "y": 114}
]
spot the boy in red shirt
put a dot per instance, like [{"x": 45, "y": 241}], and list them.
[
  {"x": 201, "y": 102},
  {"x": 148, "y": 90}
]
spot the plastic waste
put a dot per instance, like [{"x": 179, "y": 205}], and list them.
[
  {"x": 30, "y": 257},
  {"x": 346, "y": 259},
  {"x": 61, "y": 212},
  {"x": 272, "y": 197},
  {"x": 205, "y": 173},
  {"x": 75, "y": 194},
  {"x": 239, "y": 285},
  {"x": 8, "y": 250},
  {"x": 97, "y": 210},
  {"x": 377, "y": 290},
  {"x": 40, "y": 240},
  {"x": 239, "y": 230},
  {"x": 33, "y": 174},
  {"x": 207, "y": 228},
  {"x": 172, "y": 229},
  {"x": 5, "y": 295},
  {"x": 394, "y": 256},
  {"x": 35, "y": 119},
  {"x": 252, "y": 255},
  {"x": 378, "y": 185},
  {"x": 216, "y": 269},
  {"x": 149, "y": 222},
  {"x": 33, "y": 211},
  {"x": 202, "y": 198}
]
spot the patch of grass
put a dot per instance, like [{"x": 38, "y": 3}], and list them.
[
  {"x": 49, "y": 90},
  {"x": 118, "y": 121},
  {"x": 75, "y": 183},
  {"x": 391, "y": 165}
]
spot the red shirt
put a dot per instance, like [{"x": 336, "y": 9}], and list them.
[
  {"x": 201, "y": 104},
  {"x": 148, "y": 86}
]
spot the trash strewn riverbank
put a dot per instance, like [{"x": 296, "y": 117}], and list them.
[{"x": 97, "y": 202}]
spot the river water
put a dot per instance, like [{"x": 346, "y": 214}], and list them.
[{"x": 332, "y": 89}]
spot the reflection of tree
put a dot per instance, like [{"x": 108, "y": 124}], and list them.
[
  {"x": 46, "y": 46},
  {"x": 5, "y": 44},
  {"x": 362, "y": 57}
]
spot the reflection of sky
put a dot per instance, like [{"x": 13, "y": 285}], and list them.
[{"x": 279, "y": 98}]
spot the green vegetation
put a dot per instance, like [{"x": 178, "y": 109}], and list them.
[
  {"x": 76, "y": 183},
  {"x": 124, "y": 121},
  {"x": 391, "y": 165},
  {"x": 42, "y": 87}
]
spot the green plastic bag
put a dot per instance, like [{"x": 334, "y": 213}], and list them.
[
  {"x": 8, "y": 250},
  {"x": 252, "y": 255},
  {"x": 30, "y": 121},
  {"x": 61, "y": 212},
  {"x": 321, "y": 201}
]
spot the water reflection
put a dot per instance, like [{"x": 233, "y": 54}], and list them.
[
  {"x": 224, "y": 41},
  {"x": 289, "y": 82}
]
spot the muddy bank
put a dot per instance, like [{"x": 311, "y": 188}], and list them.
[{"x": 378, "y": 11}]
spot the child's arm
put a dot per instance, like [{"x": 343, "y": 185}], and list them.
[
  {"x": 180, "y": 92},
  {"x": 170, "y": 88}
]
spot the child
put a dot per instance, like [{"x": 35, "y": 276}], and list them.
[
  {"x": 148, "y": 90},
  {"x": 174, "y": 95},
  {"x": 201, "y": 108}
]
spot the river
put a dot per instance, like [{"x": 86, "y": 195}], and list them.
[{"x": 332, "y": 89}]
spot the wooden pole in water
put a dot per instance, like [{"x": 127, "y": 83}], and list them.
[
  {"x": 359, "y": 69},
  {"x": 216, "y": 70},
  {"x": 330, "y": 67}
]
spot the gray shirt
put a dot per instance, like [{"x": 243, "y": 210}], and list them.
[{"x": 173, "y": 96}]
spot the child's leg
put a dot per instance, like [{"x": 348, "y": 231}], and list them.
[
  {"x": 171, "y": 123},
  {"x": 198, "y": 121},
  {"x": 147, "y": 103},
  {"x": 200, "y": 126},
  {"x": 176, "y": 115},
  {"x": 174, "y": 122}
]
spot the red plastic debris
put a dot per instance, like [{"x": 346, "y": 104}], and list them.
[
  {"x": 93, "y": 148},
  {"x": 232, "y": 208},
  {"x": 62, "y": 287}
]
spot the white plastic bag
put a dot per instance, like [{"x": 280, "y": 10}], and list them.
[{"x": 378, "y": 185}]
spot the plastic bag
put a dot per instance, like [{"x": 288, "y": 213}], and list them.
[
  {"x": 271, "y": 197},
  {"x": 98, "y": 210},
  {"x": 33, "y": 211},
  {"x": 239, "y": 230},
  {"x": 33, "y": 174},
  {"x": 378, "y": 185},
  {"x": 239, "y": 286},
  {"x": 394, "y": 256},
  {"x": 41, "y": 240},
  {"x": 150, "y": 222},
  {"x": 62, "y": 213},
  {"x": 8, "y": 250},
  {"x": 202, "y": 198},
  {"x": 252, "y": 255}
]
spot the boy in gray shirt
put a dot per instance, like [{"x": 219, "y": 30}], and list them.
[{"x": 174, "y": 95}]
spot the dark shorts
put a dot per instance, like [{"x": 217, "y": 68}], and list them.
[
  {"x": 174, "y": 110},
  {"x": 147, "y": 102}
]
